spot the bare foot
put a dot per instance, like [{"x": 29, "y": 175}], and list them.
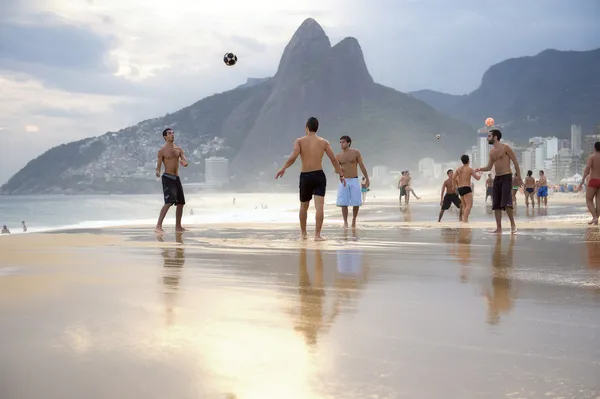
[
  {"x": 345, "y": 225},
  {"x": 513, "y": 229},
  {"x": 497, "y": 231},
  {"x": 180, "y": 229},
  {"x": 304, "y": 235},
  {"x": 319, "y": 238},
  {"x": 593, "y": 221},
  {"x": 158, "y": 230}
]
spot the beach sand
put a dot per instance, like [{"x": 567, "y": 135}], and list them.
[{"x": 400, "y": 307}]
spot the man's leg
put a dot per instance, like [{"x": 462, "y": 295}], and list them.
[
  {"x": 161, "y": 217},
  {"x": 468, "y": 201},
  {"x": 498, "y": 215},
  {"x": 510, "y": 214},
  {"x": 178, "y": 216},
  {"x": 320, "y": 215},
  {"x": 303, "y": 215},
  {"x": 354, "y": 215},
  {"x": 345, "y": 216},
  {"x": 441, "y": 214},
  {"x": 590, "y": 194}
]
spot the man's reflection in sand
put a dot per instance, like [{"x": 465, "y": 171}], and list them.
[
  {"x": 174, "y": 259},
  {"x": 592, "y": 243},
  {"x": 351, "y": 276},
  {"x": 405, "y": 211},
  {"x": 311, "y": 295},
  {"x": 500, "y": 299},
  {"x": 463, "y": 253}
]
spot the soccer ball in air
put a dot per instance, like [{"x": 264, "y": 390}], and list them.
[
  {"x": 438, "y": 136},
  {"x": 489, "y": 122},
  {"x": 230, "y": 59}
]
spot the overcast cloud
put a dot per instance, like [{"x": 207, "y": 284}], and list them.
[{"x": 76, "y": 68}]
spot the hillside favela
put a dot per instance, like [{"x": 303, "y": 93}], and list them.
[{"x": 304, "y": 200}]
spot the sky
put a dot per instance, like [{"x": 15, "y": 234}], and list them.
[{"x": 71, "y": 69}]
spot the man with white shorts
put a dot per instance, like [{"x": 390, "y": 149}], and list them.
[{"x": 349, "y": 195}]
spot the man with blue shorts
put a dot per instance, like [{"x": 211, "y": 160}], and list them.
[
  {"x": 350, "y": 194},
  {"x": 542, "y": 193}
]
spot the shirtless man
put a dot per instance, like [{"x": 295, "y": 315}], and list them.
[
  {"x": 401, "y": 185},
  {"x": 529, "y": 189},
  {"x": 407, "y": 187},
  {"x": 462, "y": 178},
  {"x": 500, "y": 157},
  {"x": 450, "y": 197},
  {"x": 592, "y": 170},
  {"x": 489, "y": 183},
  {"x": 171, "y": 156},
  {"x": 349, "y": 194},
  {"x": 311, "y": 149},
  {"x": 543, "y": 189}
]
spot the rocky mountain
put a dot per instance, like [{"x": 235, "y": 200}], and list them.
[
  {"x": 528, "y": 96},
  {"x": 255, "y": 124}
]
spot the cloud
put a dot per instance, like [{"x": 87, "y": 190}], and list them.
[{"x": 31, "y": 128}]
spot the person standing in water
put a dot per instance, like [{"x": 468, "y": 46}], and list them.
[
  {"x": 349, "y": 194},
  {"x": 592, "y": 191},
  {"x": 462, "y": 177},
  {"x": 543, "y": 189},
  {"x": 407, "y": 187},
  {"x": 515, "y": 189},
  {"x": 529, "y": 189},
  {"x": 501, "y": 156},
  {"x": 364, "y": 189},
  {"x": 171, "y": 156},
  {"x": 489, "y": 183},
  {"x": 449, "y": 196},
  {"x": 313, "y": 181}
]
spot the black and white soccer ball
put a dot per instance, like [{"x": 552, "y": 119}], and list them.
[
  {"x": 230, "y": 59},
  {"x": 438, "y": 136}
]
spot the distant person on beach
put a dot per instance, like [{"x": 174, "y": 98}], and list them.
[
  {"x": 5, "y": 230},
  {"x": 449, "y": 196},
  {"x": 408, "y": 188},
  {"x": 543, "y": 189},
  {"x": 500, "y": 157},
  {"x": 462, "y": 178},
  {"x": 349, "y": 194},
  {"x": 311, "y": 149},
  {"x": 515, "y": 188},
  {"x": 592, "y": 172},
  {"x": 529, "y": 189},
  {"x": 489, "y": 184},
  {"x": 24, "y": 227},
  {"x": 171, "y": 156},
  {"x": 401, "y": 185},
  {"x": 364, "y": 189}
]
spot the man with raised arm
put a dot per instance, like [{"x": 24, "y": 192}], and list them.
[
  {"x": 500, "y": 157},
  {"x": 311, "y": 149}
]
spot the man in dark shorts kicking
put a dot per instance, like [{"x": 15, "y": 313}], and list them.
[
  {"x": 500, "y": 157},
  {"x": 449, "y": 187},
  {"x": 311, "y": 149},
  {"x": 171, "y": 156}
]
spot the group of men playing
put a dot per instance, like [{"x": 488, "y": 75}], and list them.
[{"x": 456, "y": 189}]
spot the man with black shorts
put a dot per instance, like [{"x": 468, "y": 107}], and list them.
[
  {"x": 311, "y": 149},
  {"x": 489, "y": 184},
  {"x": 171, "y": 156},
  {"x": 449, "y": 187},
  {"x": 500, "y": 157}
]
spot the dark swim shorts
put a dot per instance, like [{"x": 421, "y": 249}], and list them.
[
  {"x": 172, "y": 189},
  {"x": 502, "y": 196},
  {"x": 462, "y": 191},
  {"x": 312, "y": 183},
  {"x": 450, "y": 199}
]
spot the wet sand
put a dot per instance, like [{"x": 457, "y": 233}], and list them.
[{"x": 387, "y": 311}]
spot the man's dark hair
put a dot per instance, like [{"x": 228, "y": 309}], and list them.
[
  {"x": 347, "y": 139},
  {"x": 312, "y": 124},
  {"x": 542, "y": 172},
  {"x": 529, "y": 173},
  {"x": 166, "y": 131},
  {"x": 448, "y": 171},
  {"x": 496, "y": 133},
  {"x": 597, "y": 146},
  {"x": 464, "y": 159}
]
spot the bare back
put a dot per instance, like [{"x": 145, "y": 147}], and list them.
[
  {"x": 489, "y": 182},
  {"x": 349, "y": 162},
  {"x": 499, "y": 155},
  {"x": 594, "y": 165},
  {"x": 312, "y": 149},
  {"x": 529, "y": 182},
  {"x": 464, "y": 174},
  {"x": 170, "y": 154}
]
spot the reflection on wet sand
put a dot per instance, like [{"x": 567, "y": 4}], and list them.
[
  {"x": 500, "y": 297},
  {"x": 465, "y": 235},
  {"x": 310, "y": 293},
  {"x": 592, "y": 243},
  {"x": 173, "y": 259}
]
